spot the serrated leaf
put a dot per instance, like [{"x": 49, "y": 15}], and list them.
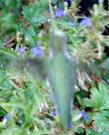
[
  {"x": 101, "y": 122},
  {"x": 34, "y": 14},
  {"x": 99, "y": 99}
]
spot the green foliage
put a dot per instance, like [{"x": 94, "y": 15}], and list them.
[
  {"x": 24, "y": 102},
  {"x": 99, "y": 98},
  {"x": 99, "y": 101},
  {"x": 27, "y": 101},
  {"x": 34, "y": 13}
]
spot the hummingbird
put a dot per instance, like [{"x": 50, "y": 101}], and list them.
[
  {"x": 59, "y": 69},
  {"x": 62, "y": 77}
]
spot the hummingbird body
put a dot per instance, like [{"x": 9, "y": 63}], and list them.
[{"x": 62, "y": 77}]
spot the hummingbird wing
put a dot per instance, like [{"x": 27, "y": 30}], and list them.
[{"x": 37, "y": 67}]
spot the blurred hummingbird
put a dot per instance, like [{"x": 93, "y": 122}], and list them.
[
  {"x": 60, "y": 70},
  {"x": 62, "y": 76}
]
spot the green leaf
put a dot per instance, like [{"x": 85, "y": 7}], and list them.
[
  {"x": 101, "y": 122},
  {"x": 29, "y": 34},
  {"x": 9, "y": 21},
  {"x": 34, "y": 14},
  {"x": 9, "y": 52},
  {"x": 99, "y": 99}
]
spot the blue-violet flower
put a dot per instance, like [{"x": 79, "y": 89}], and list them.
[
  {"x": 86, "y": 22},
  {"x": 37, "y": 51},
  {"x": 59, "y": 13}
]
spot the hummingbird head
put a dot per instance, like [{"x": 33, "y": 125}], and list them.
[{"x": 58, "y": 41}]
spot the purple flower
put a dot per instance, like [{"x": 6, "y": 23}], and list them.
[
  {"x": 84, "y": 115},
  {"x": 54, "y": 113},
  {"x": 86, "y": 22},
  {"x": 6, "y": 118},
  {"x": 37, "y": 51},
  {"x": 59, "y": 13}
]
